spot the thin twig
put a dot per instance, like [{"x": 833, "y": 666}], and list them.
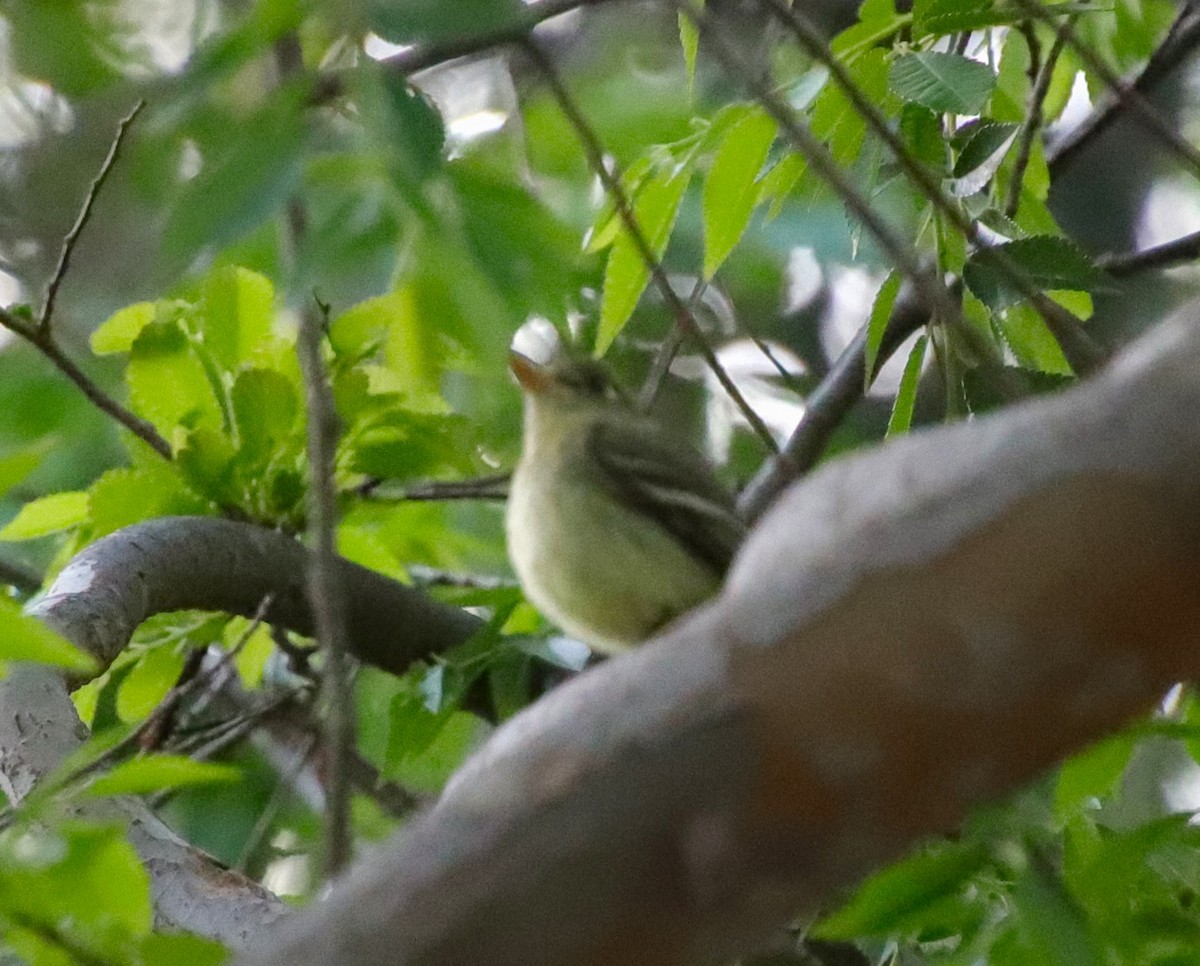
[
  {"x": 325, "y": 591},
  {"x": 165, "y": 709},
  {"x": 821, "y": 161},
  {"x": 1082, "y": 352},
  {"x": 43, "y": 341},
  {"x": 494, "y": 487},
  {"x": 668, "y": 349},
  {"x": 1185, "y": 249},
  {"x": 1032, "y": 122},
  {"x": 826, "y": 407},
  {"x": 612, "y": 185},
  {"x": 81, "y": 220},
  {"x": 1181, "y": 40},
  {"x": 1141, "y": 109}
]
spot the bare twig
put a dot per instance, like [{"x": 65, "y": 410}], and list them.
[
  {"x": 1180, "y": 42},
  {"x": 827, "y": 406},
  {"x": 188, "y": 685},
  {"x": 1032, "y": 121},
  {"x": 1142, "y": 110},
  {"x": 43, "y": 341},
  {"x": 494, "y": 487},
  {"x": 611, "y": 180},
  {"x": 325, "y": 591},
  {"x": 1185, "y": 249},
  {"x": 85, "y": 213}
]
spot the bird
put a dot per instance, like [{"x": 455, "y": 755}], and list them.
[{"x": 615, "y": 527}]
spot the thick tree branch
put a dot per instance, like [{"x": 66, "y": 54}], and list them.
[
  {"x": 179, "y": 563},
  {"x": 39, "y": 728},
  {"x": 909, "y": 633}
]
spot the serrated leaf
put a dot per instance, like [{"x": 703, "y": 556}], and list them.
[
  {"x": 836, "y": 120},
  {"x": 26, "y": 639},
  {"x": 168, "y": 384},
  {"x": 731, "y": 189},
  {"x": 236, "y": 310},
  {"x": 1049, "y": 262},
  {"x": 978, "y": 142},
  {"x": 265, "y": 407},
  {"x": 158, "y": 772},
  {"x": 118, "y": 332},
  {"x": 47, "y": 515},
  {"x": 922, "y": 134},
  {"x": 906, "y": 395},
  {"x": 881, "y": 312},
  {"x": 626, "y": 273},
  {"x": 942, "y": 82}
]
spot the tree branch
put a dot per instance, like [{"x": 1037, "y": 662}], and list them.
[
  {"x": 1179, "y": 44},
  {"x": 85, "y": 214},
  {"x": 1176, "y": 252},
  {"x": 204, "y": 563},
  {"x": 893, "y": 616}
]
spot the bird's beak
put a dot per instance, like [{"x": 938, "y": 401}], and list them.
[{"x": 532, "y": 377}]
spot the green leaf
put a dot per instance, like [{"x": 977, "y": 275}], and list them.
[
  {"x": 906, "y": 395},
  {"x": 899, "y": 897},
  {"x": 155, "y": 773},
  {"x": 168, "y": 384},
  {"x": 148, "y": 681},
  {"x": 118, "y": 332},
  {"x": 881, "y": 312},
  {"x": 1049, "y": 262},
  {"x": 26, "y": 639},
  {"x": 83, "y": 881},
  {"x": 47, "y": 515},
  {"x": 922, "y": 133},
  {"x": 430, "y": 21},
  {"x": 730, "y": 190},
  {"x": 126, "y": 496},
  {"x": 1032, "y": 342},
  {"x": 836, "y": 120},
  {"x": 236, "y": 311},
  {"x": 62, "y": 44},
  {"x": 17, "y": 465},
  {"x": 978, "y": 141},
  {"x": 942, "y": 82},
  {"x": 626, "y": 274},
  {"x": 265, "y": 407},
  {"x": 246, "y": 181},
  {"x": 1091, "y": 774}
]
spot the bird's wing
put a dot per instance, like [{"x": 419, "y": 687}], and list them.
[{"x": 670, "y": 484}]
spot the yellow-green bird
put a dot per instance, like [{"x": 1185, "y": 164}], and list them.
[{"x": 615, "y": 527}]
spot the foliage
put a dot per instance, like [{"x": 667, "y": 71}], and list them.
[{"x": 351, "y": 192}]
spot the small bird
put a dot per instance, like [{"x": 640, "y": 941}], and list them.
[{"x": 614, "y": 526}]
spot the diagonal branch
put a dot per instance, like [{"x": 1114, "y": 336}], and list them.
[
  {"x": 43, "y": 340},
  {"x": 1180, "y": 43},
  {"x": 1130, "y": 97},
  {"x": 85, "y": 214}
]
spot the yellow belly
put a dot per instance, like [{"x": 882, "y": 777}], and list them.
[{"x": 604, "y": 574}]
